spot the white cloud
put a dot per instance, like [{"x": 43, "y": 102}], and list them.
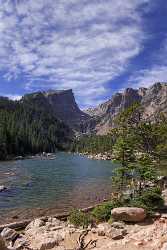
[
  {"x": 148, "y": 77},
  {"x": 12, "y": 97},
  {"x": 157, "y": 72},
  {"x": 79, "y": 44}
]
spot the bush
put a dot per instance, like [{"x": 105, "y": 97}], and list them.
[
  {"x": 79, "y": 218},
  {"x": 150, "y": 200},
  {"x": 102, "y": 212}
]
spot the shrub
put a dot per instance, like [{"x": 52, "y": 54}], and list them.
[
  {"x": 150, "y": 200},
  {"x": 102, "y": 212},
  {"x": 79, "y": 218}
]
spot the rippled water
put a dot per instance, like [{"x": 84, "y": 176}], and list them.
[{"x": 64, "y": 182}]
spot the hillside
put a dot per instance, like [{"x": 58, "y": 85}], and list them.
[
  {"x": 153, "y": 101},
  {"x": 63, "y": 106},
  {"x": 30, "y": 126},
  {"x": 44, "y": 121}
]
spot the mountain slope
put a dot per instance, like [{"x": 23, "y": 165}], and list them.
[
  {"x": 63, "y": 105},
  {"x": 153, "y": 100},
  {"x": 29, "y": 126}
]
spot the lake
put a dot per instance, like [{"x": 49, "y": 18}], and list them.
[{"x": 43, "y": 186}]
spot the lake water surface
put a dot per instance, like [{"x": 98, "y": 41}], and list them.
[{"x": 68, "y": 181}]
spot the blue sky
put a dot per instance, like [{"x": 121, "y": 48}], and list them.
[{"x": 95, "y": 47}]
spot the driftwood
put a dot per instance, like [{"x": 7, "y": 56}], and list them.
[{"x": 81, "y": 242}]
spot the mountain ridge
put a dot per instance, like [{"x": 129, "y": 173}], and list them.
[
  {"x": 153, "y": 100},
  {"x": 100, "y": 120},
  {"x": 64, "y": 106}
]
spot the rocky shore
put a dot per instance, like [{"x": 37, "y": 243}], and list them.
[
  {"x": 106, "y": 156},
  {"x": 51, "y": 233},
  {"x": 130, "y": 229}
]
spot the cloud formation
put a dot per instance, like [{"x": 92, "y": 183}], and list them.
[
  {"x": 157, "y": 72},
  {"x": 78, "y": 44}
]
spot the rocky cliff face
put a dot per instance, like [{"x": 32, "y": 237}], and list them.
[
  {"x": 153, "y": 101},
  {"x": 63, "y": 105},
  {"x": 100, "y": 119}
]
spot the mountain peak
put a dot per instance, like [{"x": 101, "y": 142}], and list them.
[{"x": 57, "y": 92}]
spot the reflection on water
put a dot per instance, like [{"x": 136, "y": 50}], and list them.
[{"x": 64, "y": 182}]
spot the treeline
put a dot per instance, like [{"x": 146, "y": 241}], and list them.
[
  {"x": 145, "y": 136},
  {"x": 28, "y": 127},
  {"x": 93, "y": 144}
]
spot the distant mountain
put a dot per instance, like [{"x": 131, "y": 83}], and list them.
[
  {"x": 153, "y": 100},
  {"x": 63, "y": 105},
  {"x": 44, "y": 121}
]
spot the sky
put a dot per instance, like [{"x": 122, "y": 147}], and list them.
[{"x": 95, "y": 47}]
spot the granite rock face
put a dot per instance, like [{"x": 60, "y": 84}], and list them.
[
  {"x": 153, "y": 101},
  {"x": 63, "y": 105}
]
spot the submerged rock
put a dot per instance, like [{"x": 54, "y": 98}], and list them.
[{"x": 129, "y": 214}]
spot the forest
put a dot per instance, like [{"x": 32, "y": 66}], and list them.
[
  {"x": 27, "y": 127},
  {"x": 132, "y": 131}
]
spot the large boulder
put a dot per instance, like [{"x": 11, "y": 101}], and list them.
[
  {"x": 128, "y": 214},
  {"x": 45, "y": 233}
]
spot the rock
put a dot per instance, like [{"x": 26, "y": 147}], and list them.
[
  {"x": 162, "y": 220},
  {"x": 106, "y": 229},
  {"x": 103, "y": 228},
  {"x": 118, "y": 225},
  {"x": 54, "y": 222},
  {"x": 9, "y": 234},
  {"x": 2, "y": 188},
  {"x": 117, "y": 234},
  {"x": 139, "y": 243},
  {"x": 20, "y": 243},
  {"x": 35, "y": 224},
  {"x": 46, "y": 242},
  {"x": 2, "y": 244},
  {"x": 128, "y": 214},
  {"x": 93, "y": 230},
  {"x": 164, "y": 216},
  {"x": 164, "y": 247},
  {"x": 156, "y": 215}
]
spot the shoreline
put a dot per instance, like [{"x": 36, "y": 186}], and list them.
[
  {"x": 100, "y": 156},
  {"x": 20, "y": 214},
  {"x": 21, "y": 224},
  {"x": 43, "y": 156}
]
